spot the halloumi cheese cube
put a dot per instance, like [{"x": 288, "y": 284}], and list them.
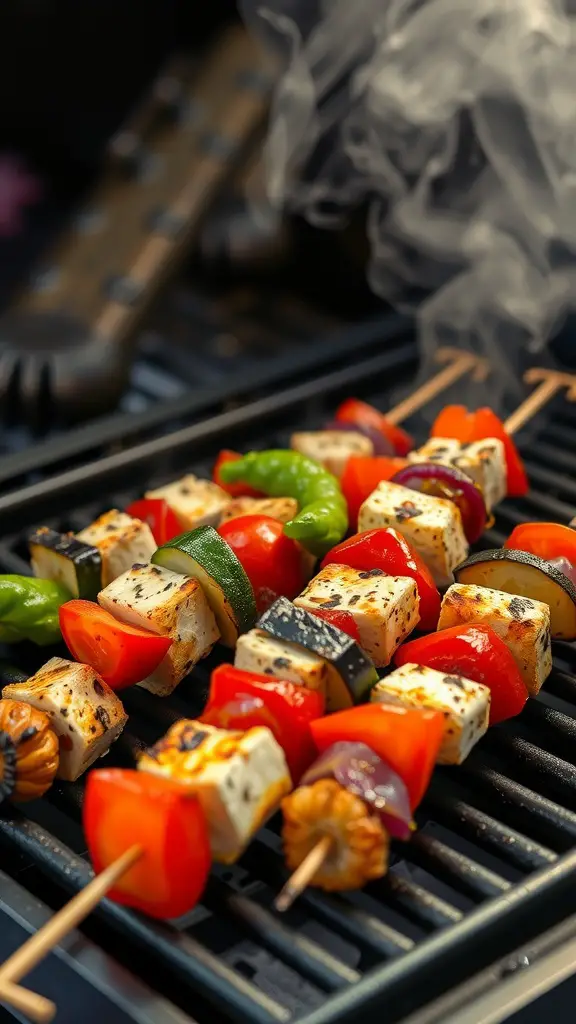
[
  {"x": 238, "y": 777},
  {"x": 195, "y": 502},
  {"x": 432, "y": 525},
  {"x": 282, "y": 509},
  {"x": 121, "y": 541},
  {"x": 85, "y": 713},
  {"x": 168, "y": 604},
  {"x": 523, "y": 625},
  {"x": 384, "y": 608},
  {"x": 483, "y": 461},
  {"x": 256, "y": 651},
  {"x": 331, "y": 448},
  {"x": 465, "y": 705}
]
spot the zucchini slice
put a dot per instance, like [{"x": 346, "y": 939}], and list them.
[
  {"x": 351, "y": 674},
  {"x": 525, "y": 575},
  {"x": 64, "y": 559},
  {"x": 206, "y": 557}
]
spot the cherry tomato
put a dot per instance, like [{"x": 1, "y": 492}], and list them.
[
  {"x": 355, "y": 411},
  {"x": 121, "y": 654},
  {"x": 384, "y": 548},
  {"x": 239, "y": 490},
  {"x": 241, "y": 700},
  {"x": 271, "y": 560},
  {"x": 163, "y": 522},
  {"x": 476, "y": 653},
  {"x": 124, "y": 808}
]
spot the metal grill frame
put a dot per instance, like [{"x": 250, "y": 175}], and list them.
[{"x": 515, "y": 881}]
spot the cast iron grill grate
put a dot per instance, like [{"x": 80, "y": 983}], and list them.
[{"x": 491, "y": 865}]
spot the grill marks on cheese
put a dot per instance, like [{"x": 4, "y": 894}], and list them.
[
  {"x": 384, "y": 608},
  {"x": 85, "y": 713},
  {"x": 522, "y": 623},
  {"x": 432, "y": 525},
  {"x": 483, "y": 461},
  {"x": 331, "y": 448},
  {"x": 168, "y": 604},
  {"x": 239, "y": 778},
  {"x": 195, "y": 502},
  {"x": 465, "y": 705},
  {"x": 121, "y": 541},
  {"x": 282, "y": 509}
]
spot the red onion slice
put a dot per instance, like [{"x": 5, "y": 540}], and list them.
[
  {"x": 565, "y": 566},
  {"x": 356, "y": 767},
  {"x": 451, "y": 483},
  {"x": 381, "y": 444}
]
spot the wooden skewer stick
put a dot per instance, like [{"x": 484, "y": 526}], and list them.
[
  {"x": 552, "y": 381},
  {"x": 36, "y": 1007},
  {"x": 303, "y": 874},
  {"x": 39, "y": 945},
  {"x": 459, "y": 364}
]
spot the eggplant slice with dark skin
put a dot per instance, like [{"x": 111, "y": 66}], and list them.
[{"x": 525, "y": 575}]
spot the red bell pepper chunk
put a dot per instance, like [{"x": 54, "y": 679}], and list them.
[
  {"x": 340, "y": 618},
  {"x": 407, "y": 739},
  {"x": 388, "y": 550},
  {"x": 476, "y": 653},
  {"x": 241, "y": 700},
  {"x": 272, "y": 561},
  {"x": 547, "y": 540},
  {"x": 124, "y": 808},
  {"x": 455, "y": 421},
  {"x": 361, "y": 476},
  {"x": 121, "y": 654},
  {"x": 235, "y": 490},
  {"x": 355, "y": 411},
  {"x": 163, "y": 522}
]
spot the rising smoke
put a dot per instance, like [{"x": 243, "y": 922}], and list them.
[{"x": 454, "y": 122}]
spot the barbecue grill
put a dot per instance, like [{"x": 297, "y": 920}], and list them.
[{"x": 491, "y": 867}]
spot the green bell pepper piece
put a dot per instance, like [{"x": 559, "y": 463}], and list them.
[
  {"x": 323, "y": 517},
  {"x": 29, "y": 609}
]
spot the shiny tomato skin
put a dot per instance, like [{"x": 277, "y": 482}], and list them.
[
  {"x": 384, "y": 548},
  {"x": 477, "y": 653},
  {"x": 121, "y": 654},
  {"x": 163, "y": 522},
  {"x": 272, "y": 561}
]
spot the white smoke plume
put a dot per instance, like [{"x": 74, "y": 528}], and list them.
[{"x": 454, "y": 123}]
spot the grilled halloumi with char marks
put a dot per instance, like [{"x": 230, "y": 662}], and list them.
[
  {"x": 384, "y": 608},
  {"x": 194, "y": 502},
  {"x": 258, "y": 652},
  {"x": 121, "y": 541},
  {"x": 282, "y": 509},
  {"x": 432, "y": 525},
  {"x": 85, "y": 713},
  {"x": 239, "y": 778},
  {"x": 331, "y": 448},
  {"x": 523, "y": 625},
  {"x": 465, "y": 704},
  {"x": 168, "y": 604},
  {"x": 483, "y": 461}
]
